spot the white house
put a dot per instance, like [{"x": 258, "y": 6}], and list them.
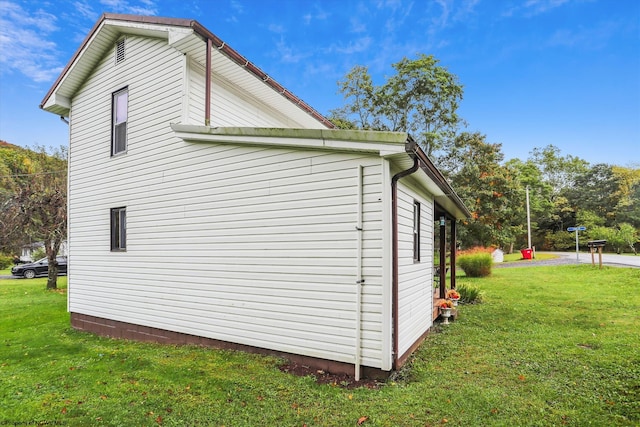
[{"x": 208, "y": 204}]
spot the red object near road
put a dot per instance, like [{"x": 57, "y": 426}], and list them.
[{"x": 526, "y": 253}]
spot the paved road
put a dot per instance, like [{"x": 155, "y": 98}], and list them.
[
  {"x": 611, "y": 260},
  {"x": 607, "y": 259}
]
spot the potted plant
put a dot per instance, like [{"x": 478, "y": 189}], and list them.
[
  {"x": 454, "y": 296},
  {"x": 445, "y": 310}
]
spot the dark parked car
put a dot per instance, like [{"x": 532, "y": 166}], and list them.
[{"x": 39, "y": 268}]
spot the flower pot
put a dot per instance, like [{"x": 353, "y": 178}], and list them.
[
  {"x": 455, "y": 301},
  {"x": 445, "y": 313}
]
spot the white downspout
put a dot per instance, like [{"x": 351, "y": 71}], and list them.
[{"x": 359, "y": 279}]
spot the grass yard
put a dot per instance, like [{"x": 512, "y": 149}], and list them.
[
  {"x": 548, "y": 346},
  {"x": 517, "y": 256}
]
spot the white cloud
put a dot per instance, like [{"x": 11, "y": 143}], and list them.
[
  {"x": 237, "y": 6},
  {"x": 357, "y": 26},
  {"x": 275, "y": 28},
  {"x": 355, "y": 46},
  {"x": 319, "y": 14},
  {"x": 534, "y": 7},
  {"x": 85, "y": 10},
  {"x": 287, "y": 54},
  {"x": 593, "y": 37},
  {"x": 143, "y": 7},
  {"x": 24, "y": 47}
]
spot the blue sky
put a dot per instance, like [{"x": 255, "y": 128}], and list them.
[{"x": 535, "y": 72}]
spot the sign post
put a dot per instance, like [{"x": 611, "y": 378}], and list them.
[{"x": 577, "y": 229}]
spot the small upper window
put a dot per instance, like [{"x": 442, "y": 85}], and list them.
[
  {"x": 120, "y": 51},
  {"x": 119, "y": 120}
]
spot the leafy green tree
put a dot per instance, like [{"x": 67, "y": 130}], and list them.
[
  {"x": 35, "y": 205},
  {"x": 558, "y": 171},
  {"x": 528, "y": 175},
  {"x": 596, "y": 190},
  {"x": 15, "y": 168},
  {"x": 559, "y": 174},
  {"x": 630, "y": 236},
  {"x": 490, "y": 191},
  {"x": 421, "y": 98},
  {"x": 628, "y": 208}
]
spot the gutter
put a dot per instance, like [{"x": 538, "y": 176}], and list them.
[
  {"x": 253, "y": 69},
  {"x": 210, "y": 38},
  {"x": 414, "y": 150},
  {"x": 395, "y": 273},
  {"x": 420, "y": 161}
]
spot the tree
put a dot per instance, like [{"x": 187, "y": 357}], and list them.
[
  {"x": 629, "y": 235},
  {"x": 628, "y": 195},
  {"x": 421, "y": 98},
  {"x": 38, "y": 206},
  {"x": 559, "y": 172},
  {"x": 596, "y": 190},
  {"x": 488, "y": 189},
  {"x": 15, "y": 168}
]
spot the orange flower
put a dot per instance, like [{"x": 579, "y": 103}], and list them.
[{"x": 445, "y": 304}]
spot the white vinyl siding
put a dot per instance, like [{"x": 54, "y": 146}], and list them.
[
  {"x": 415, "y": 289},
  {"x": 259, "y": 248},
  {"x": 230, "y": 105},
  {"x": 250, "y": 245}
]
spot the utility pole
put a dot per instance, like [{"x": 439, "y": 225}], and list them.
[{"x": 528, "y": 221}]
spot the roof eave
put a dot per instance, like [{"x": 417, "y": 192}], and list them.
[
  {"x": 380, "y": 143},
  {"x": 448, "y": 199},
  {"x": 50, "y": 101}
]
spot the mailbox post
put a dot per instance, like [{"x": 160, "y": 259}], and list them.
[{"x": 599, "y": 244}]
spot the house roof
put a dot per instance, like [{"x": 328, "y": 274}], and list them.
[{"x": 189, "y": 37}]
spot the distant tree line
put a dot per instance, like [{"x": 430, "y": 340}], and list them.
[{"x": 422, "y": 98}]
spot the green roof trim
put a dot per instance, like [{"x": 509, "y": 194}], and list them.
[{"x": 328, "y": 134}]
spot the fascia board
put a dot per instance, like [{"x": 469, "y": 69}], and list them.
[
  {"x": 49, "y": 102},
  {"x": 303, "y": 138},
  {"x": 58, "y": 104}
]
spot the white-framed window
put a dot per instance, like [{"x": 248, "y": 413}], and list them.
[
  {"x": 119, "y": 229},
  {"x": 416, "y": 231},
  {"x": 120, "y": 107}
]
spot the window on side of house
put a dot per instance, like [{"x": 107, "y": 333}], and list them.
[
  {"x": 119, "y": 229},
  {"x": 119, "y": 121},
  {"x": 416, "y": 231}
]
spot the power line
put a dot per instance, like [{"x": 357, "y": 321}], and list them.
[{"x": 33, "y": 174}]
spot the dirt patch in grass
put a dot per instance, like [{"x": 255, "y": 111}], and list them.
[{"x": 323, "y": 377}]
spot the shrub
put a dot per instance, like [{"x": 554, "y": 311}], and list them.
[
  {"x": 38, "y": 254},
  {"x": 469, "y": 294},
  {"x": 5, "y": 261},
  {"x": 476, "y": 265},
  {"x": 476, "y": 250}
]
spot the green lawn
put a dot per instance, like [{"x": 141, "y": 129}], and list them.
[
  {"x": 548, "y": 346},
  {"x": 517, "y": 256}
]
